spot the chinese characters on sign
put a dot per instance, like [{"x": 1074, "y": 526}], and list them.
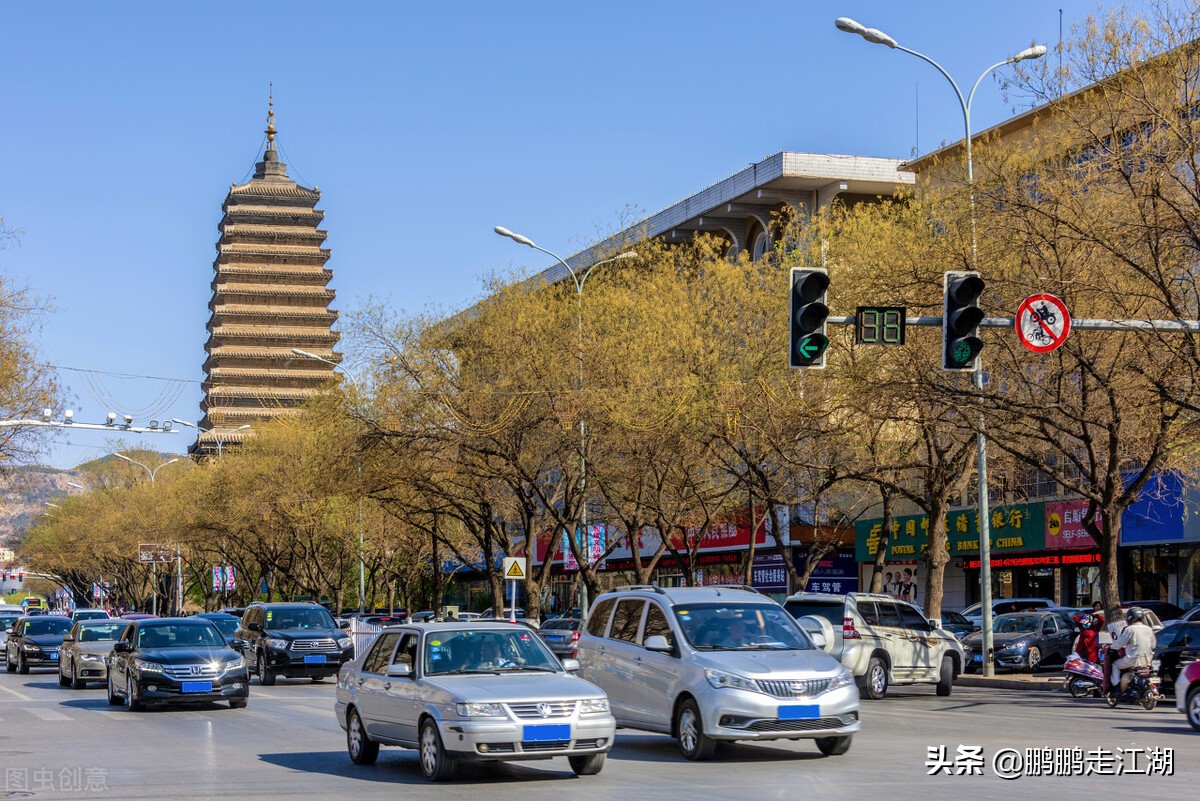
[
  {"x": 1015, "y": 528},
  {"x": 1015, "y": 763}
]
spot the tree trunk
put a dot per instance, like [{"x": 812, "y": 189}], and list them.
[
  {"x": 1110, "y": 591},
  {"x": 936, "y": 557},
  {"x": 881, "y": 554}
]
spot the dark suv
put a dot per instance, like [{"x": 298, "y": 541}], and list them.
[{"x": 292, "y": 640}]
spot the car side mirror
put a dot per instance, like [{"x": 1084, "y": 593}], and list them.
[
  {"x": 123, "y": 647},
  {"x": 399, "y": 671},
  {"x": 344, "y": 624},
  {"x": 570, "y": 665},
  {"x": 68, "y": 639},
  {"x": 253, "y": 626},
  {"x": 934, "y": 623},
  {"x": 657, "y": 642}
]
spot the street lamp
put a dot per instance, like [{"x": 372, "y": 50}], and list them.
[
  {"x": 153, "y": 473},
  {"x": 579, "y": 279},
  {"x": 362, "y": 564},
  {"x": 876, "y": 36},
  {"x": 178, "y": 562},
  {"x": 219, "y": 437}
]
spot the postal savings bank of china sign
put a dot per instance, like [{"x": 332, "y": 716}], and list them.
[{"x": 1017, "y": 528}]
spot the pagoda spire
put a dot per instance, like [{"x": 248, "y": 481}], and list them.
[{"x": 271, "y": 116}]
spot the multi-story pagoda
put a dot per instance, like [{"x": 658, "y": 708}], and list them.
[{"x": 270, "y": 298}]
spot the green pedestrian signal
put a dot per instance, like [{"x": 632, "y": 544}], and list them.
[{"x": 807, "y": 341}]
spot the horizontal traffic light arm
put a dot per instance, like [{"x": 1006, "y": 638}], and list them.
[{"x": 1192, "y": 326}]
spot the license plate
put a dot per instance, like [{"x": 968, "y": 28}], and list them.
[
  {"x": 541, "y": 733},
  {"x": 197, "y": 687},
  {"x": 53, "y": 656},
  {"x": 799, "y": 712},
  {"x": 553, "y": 638},
  {"x": 977, "y": 658},
  {"x": 317, "y": 659}
]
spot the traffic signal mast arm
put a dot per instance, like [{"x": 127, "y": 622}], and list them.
[{"x": 1192, "y": 326}]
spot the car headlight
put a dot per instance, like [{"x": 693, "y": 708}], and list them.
[
  {"x": 30, "y": 646},
  {"x": 844, "y": 678},
  {"x": 729, "y": 681},
  {"x": 1015, "y": 646},
  {"x": 277, "y": 644},
  {"x": 593, "y": 706},
  {"x": 235, "y": 664},
  {"x": 344, "y": 642},
  {"x": 479, "y": 710},
  {"x": 147, "y": 667},
  {"x": 91, "y": 657}
]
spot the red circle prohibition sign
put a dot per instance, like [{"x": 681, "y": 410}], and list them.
[{"x": 1042, "y": 323}]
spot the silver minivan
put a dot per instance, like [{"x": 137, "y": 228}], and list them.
[{"x": 715, "y": 663}]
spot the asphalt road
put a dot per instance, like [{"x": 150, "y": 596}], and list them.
[{"x": 62, "y": 743}]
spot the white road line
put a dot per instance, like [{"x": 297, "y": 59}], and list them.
[
  {"x": 310, "y": 710},
  {"x": 46, "y": 714},
  {"x": 14, "y": 692},
  {"x": 114, "y": 714}
]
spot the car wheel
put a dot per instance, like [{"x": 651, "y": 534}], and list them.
[
  {"x": 317, "y": 679},
  {"x": 237, "y": 703},
  {"x": 22, "y": 665},
  {"x": 694, "y": 744},
  {"x": 946, "y": 677},
  {"x": 113, "y": 698},
  {"x": 436, "y": 764},
  {"x": 834, "y": 746},
  {"x": 266, "y": 676},
  {"x": 1192, "y": 708},
  {"x": 360, "y": 747},
  {"x": 1033, "y": 659},
  {"x": 63, "y": 679},
  {"x": 8, "y": 665},
  {"x": 588, "y": 765},
  {"x": 131, "y": 700},
  {"x": 875, "y": 683},
  {"x": 76, "y": 682}
]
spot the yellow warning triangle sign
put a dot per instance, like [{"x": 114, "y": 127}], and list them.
[{"x": 515, "y": 571}]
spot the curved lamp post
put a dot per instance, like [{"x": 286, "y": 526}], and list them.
[
  {"x": 876, "y": 36},
  {"x": 580, "y": 279}
]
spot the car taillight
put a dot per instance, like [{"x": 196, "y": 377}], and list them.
[
  {"x": 848, "y": 630},
  {"x": 574, "y": 636}
]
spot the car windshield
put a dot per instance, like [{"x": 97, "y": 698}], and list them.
[
  {"x": 90, "y": 614},
  {"x": 833, "y": 611},
  {"x": 101, "y": 632},
  {"x": 1017, "y": 624},
  {"x": 569, "y": 625},
  {"x": 315, "y": 618},
  {"x": 737, "y": 627},
  {"x": 953, "y": 617},
  {"x": 486, "y": 651},
  {"x": 226, "y": 625},
  {"x": 972, "y": 610},
  {"x": 179, "y": 635},
  {"x": 48, "y": 625}
]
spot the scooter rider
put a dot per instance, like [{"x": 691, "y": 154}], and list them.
[{"x": 1138, "y": 641}]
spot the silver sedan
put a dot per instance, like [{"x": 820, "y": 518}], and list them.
[{"x": 474, "y": 691}]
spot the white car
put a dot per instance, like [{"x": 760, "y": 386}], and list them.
[
  {"x": 470, "y": 691},
  {"x": 8, "y": 613}
]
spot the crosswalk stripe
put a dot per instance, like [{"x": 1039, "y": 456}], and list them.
[
  {"x": 46, "y": 714},
  {"x": 22, "y": 696}
]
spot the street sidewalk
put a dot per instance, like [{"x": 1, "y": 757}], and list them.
[{"x": 1046, "y": 682}]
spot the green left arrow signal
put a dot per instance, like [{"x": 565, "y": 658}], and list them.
[{"x": 812, "y": 346}]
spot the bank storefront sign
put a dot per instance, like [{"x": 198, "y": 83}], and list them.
[{"x": 1015, "y": 528}]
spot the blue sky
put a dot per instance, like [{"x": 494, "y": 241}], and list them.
[{"x": 424, "y": 125}]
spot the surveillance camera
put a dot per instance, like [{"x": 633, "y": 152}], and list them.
[
  {"x": 47, "y": 414},
  {"x": 128, "y": 419},
  {"x": 154, "y": 424},
  {"x": 112, "y": 419},
  {"x": 69, "y": 415},
  {"x": 167, "y": 425}
]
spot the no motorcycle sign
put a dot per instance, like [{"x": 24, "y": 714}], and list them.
[{"x": 1042, "y": 323}]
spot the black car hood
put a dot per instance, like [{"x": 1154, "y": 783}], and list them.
[
  {"x": 187, "y": 656},
  {"x": 45, "y": 640},
  {"x": 305, "y": 634},
  {"x": 1001, "y": 639}
]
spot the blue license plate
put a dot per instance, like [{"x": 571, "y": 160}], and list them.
[
  {"x": 978, "y": 658},
  {"x": 53, "y": 656},
  {"x": 197, "y": 687},
  {"x": 318, "y": 659},
  {"x": 544, "y": 732},
  {"x": 799, "y": 712},
  {"x": 554, "y": 638}
]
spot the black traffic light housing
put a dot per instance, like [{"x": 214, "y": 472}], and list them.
[
  {"x": 961, "y": 316},
  {"x": 807, "y": 340}
]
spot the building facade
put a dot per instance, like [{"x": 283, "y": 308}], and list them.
[{"x": 270, "y": 296}]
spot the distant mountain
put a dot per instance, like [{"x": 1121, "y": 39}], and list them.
[{"x": 24, "y": 492}]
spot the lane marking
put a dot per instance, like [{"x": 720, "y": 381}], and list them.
[
  {"x": 46, "y": 714},
  {"x": 22, "y": 696}
]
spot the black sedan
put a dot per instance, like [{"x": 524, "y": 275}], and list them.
[
  {"x": 175, "y": 661},
  {"x": 956, "y": 624},
  {"x": 34, "y": 641},
  {"x": 1177, "y": 646},
  {"x": 226, "y": 623},
  {"x": 1024, "y": 640}
]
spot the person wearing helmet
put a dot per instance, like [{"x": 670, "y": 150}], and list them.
[{"x": 1138, "y": 641}]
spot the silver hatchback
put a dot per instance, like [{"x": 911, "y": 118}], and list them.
[
  {"x": 475, "y": 691},
  {"x": 709, "y": 664}
]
